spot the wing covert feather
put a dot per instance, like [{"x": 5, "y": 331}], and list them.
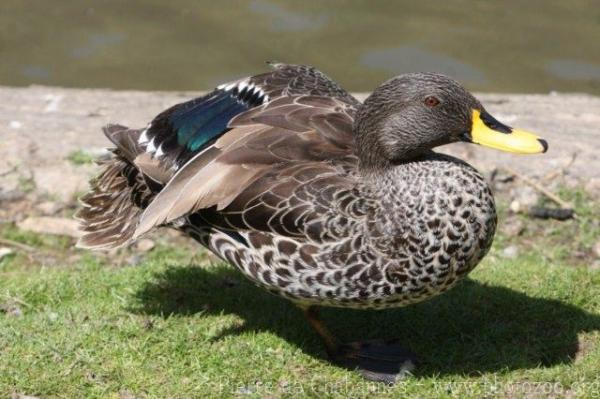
[{"x": 295, "y": 138}]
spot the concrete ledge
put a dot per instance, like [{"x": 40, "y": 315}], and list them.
[{"x": 41, "y": 126}]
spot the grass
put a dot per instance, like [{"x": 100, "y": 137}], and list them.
[
  {"x": 26, "y": 185},
  {"x": 81, "y": 157},
  {"x": 177, "y": 325}
]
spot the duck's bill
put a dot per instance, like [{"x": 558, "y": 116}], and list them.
[{"x": 487, "y": 131}]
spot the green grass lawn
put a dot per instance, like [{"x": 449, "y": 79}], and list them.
[{"x": 177, "y": 325}]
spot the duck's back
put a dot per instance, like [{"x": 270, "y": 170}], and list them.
[{"x": 257, "y": 136}]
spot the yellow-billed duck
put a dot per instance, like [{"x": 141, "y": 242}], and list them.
[{"x": 313, "y": 195}]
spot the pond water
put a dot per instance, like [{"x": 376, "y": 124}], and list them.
[{"x": 502, "y": 46}]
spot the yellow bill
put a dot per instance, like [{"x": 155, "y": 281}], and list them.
[{"x": 487, "y": 131}]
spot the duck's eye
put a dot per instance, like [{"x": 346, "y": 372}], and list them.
[{"x": 431, "y": 101}]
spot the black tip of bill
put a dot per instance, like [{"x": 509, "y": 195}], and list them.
[{"x": 544, "y": 144}]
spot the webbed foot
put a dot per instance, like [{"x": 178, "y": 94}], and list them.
[{"x": 376, "y": 360}]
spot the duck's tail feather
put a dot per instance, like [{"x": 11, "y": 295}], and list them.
[{"x": 118, "y": 196}]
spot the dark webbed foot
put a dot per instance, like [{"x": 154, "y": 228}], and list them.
[{"x": 376, "y": 360}]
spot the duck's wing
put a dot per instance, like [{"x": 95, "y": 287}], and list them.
[
  {"x": 222, "y": 150},
  {"x": 294, "y": 80},
  {"x": 316, "y": 201},
  {"x": 181, "y": 132}
]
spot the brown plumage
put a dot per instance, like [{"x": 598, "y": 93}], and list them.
[
  {"x": 118, "y": 195},
  {"x": 312, "y": 195}
]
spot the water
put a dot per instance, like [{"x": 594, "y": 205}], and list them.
[{"x": 507, "y": 46}]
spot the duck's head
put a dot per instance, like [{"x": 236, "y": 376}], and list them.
[{"x": 412, "y": 113}]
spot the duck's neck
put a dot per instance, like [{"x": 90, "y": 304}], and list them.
[
  {"x": 374, "y": 161},
  {"x": 380, "y": 144},
  {"x": 371, "y": 154},
  {"x": 375, "y": 158}
]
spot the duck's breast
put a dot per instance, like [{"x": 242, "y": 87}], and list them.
[{"x": 435, "y": 221}]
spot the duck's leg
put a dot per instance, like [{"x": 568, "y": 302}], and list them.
[{"x": 376, "y": 360}]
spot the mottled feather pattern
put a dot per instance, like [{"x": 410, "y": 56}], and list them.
[
  {"x": 111, "y": 209},
  {"x": 350, "y": 253},
  {"x": 308, "y": 201},
  {"x": 300, "y": 80},
  {"x": 331, "y": 118},
  {"x": 264, "y": 172}
]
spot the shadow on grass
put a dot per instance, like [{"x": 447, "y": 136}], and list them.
[{"x": 474, "y": 328}]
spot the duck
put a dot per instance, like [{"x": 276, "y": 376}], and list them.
[{"x": 313, "y": 195}]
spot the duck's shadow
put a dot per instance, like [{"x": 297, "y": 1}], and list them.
[{"x": 474, "y": 328}]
